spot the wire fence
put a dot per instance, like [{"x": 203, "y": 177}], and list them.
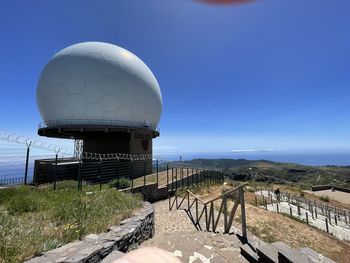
[{"x": 17, "y": 165}]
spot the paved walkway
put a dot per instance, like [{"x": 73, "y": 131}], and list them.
[{"x": 176, "y": 234}]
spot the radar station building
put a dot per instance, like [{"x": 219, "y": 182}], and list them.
[{"x": 103, "y": 95}]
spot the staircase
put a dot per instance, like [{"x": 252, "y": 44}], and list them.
[
  {"x": 279, "y": 252},
  {"x": 205, "y": 217}
]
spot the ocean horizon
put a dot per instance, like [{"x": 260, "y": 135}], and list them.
[{"x": 12, "y": 163}]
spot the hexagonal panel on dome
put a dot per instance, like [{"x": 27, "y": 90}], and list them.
[
  {"x": 75, "y": 64},
  {"x": 58, "y": 95},
  {"x": 58, "y": 74},
  {"x": 74, "y": 84},
  {"x": 93, "y": 93},
  {"x": 63, "y": 112},
  {"x": 92, "y": 73},
  {"x": 94, "y": 111},
  {"x": 110, "y": 103},
  {"x": 76, "y": 104},
  {"x": 111, "y": 86}
]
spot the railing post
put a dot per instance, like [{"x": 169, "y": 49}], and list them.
[
  {"x": 188, "y": 179},
  {"x": 244, "y": 223},
  {"x": 176, "y": 186},
  {"x": 192, "y": 178},
  {"x": 225, "y": 213},
  {"x": 27, "y": 162},
  {"x": 167, "y": 177},
  {"x": 206, "y": 218},
  {"x": 197, "y": 210},
  {"x": 188, "y": 201},
  {"x": 55, "y": 175},
  {"x": 172, "y": 179}
]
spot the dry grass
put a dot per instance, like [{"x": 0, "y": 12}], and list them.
[{"x": 272, "y": 227}]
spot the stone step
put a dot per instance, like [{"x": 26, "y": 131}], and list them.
[
  {"x": 280, "y": 252},
  {"x": 249, "y": 253},
  {"x": 113, "y": 256},
  {"x": 268, "y": 253},
  {"x": 286, "y": 254},
  {"x": 313, "y": 255}
]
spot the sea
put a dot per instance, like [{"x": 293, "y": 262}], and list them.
[{"x": 12, "y": 161}]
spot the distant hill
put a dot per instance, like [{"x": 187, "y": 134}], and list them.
[{"x": 276, "y": 172}]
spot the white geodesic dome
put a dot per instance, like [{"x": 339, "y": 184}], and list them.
[{"x": 96, "y": 83}]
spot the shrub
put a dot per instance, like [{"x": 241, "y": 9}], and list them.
[
  {"x": 324, "y": 198},
  {"x": 121, "y": 183}
]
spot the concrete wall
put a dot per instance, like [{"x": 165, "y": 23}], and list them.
[
  {"x": 326, "y": 187},
  {"x": 152, "y": 193}
]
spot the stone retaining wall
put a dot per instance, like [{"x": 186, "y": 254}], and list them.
[{"x": 95, "y": 247}]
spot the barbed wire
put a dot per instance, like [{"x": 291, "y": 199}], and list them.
[
  {"x": 116, "y": 156},
  {"x": 30, "y": 142}
]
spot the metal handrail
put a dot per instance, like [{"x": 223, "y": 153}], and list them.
[
  {"x": 211, "y": 221},
  {"x": 94, "y": 122},
  {"x": 226, "y": 193},
  {"x": 204, "y": 203}
]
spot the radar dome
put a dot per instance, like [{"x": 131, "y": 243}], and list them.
[{"x": 96, "y": 83}]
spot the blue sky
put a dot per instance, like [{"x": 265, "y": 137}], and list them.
[{"x": 268, "y": 74}]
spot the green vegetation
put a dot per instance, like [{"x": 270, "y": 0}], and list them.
[
  {"x": 324, "y": 198},
  {"x": 121, "y": 183},
  {"x": 37, "y": 219},
  {"x": 278, "y": 173}
]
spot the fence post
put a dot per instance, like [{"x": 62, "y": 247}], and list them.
[
  {"x": 144, "y": 172},
  {"x": 157, "y": 175},
  {"x": 131, "y": 175},
  {"x": 327, "y": 229},
  {"x": 27, "y": 162},
  {"x": 307, "y": 217},
  {"x": 100, "y": 173},
  {"x": 117, "y": 170},
  {"x": 79, "y": 174},
  {"x": 291, "y": 211},
  {"x": 55, "y": 175},
  {"x": 244, "y": 224}
]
